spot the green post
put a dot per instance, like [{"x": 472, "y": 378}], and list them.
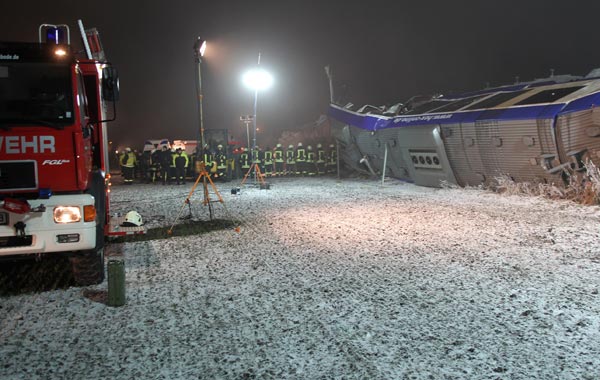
[{"x": 116, "y": 283}]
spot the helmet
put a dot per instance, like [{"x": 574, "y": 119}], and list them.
[
  {"x": 128, "y": 149},
  {"x": 220, "y": 146},
  {"x": 331, "y": 146},
  {"x": 291, "y": 146},
  {"x": 299, "y": 144},
  {"x": 133, "y": 218},
  {"x": 309, "y": 147},
  {"x": 319, "y": 145},
  {"x": 278, "y": 145}
]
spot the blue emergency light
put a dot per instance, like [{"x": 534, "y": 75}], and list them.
[
  {"x": 45, "y": 193},
  {"x": 54, "y": 34}
]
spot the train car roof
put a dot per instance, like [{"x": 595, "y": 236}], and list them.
[{"x": 536, "y": 99}]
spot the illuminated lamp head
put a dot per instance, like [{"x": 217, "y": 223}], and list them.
[{"x": 60, "y": 52}]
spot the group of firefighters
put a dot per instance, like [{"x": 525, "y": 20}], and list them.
[
  {"x": 293, "y": 161},
  {"x": 169, "y": 166},
  {"x": 160, "y": 165}
]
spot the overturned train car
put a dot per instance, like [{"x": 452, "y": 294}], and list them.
[{"x": 531, "y": 132}]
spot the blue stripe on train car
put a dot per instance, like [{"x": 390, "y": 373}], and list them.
[
  {"x": 545, "y": 111},
  {"x": 583, "y": 103}
]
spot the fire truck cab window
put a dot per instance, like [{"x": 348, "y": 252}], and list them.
[
  {"x": 81, "y": 100},
  {"x": 36, "y": 91}
]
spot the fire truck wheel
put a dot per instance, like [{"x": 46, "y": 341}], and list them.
[
  {"x": 88, "y": 267},
  {"x": 98, "y": 191}
]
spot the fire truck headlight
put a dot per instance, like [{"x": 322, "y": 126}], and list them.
[
  {"x": 67, "y": 214},
  {"x": 60, "y": 52}
]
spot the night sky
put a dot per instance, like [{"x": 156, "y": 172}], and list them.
[{"x": 382, "y": 52}]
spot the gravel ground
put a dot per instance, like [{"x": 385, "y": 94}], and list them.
[{"x": 330, "y": 280}]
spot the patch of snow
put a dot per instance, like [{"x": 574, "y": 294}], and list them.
[{"x": 331, "y": 280}]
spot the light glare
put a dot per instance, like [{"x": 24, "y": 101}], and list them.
[
  {"x": 257, "y": 79},
  {"x": 67, "y": 214}
]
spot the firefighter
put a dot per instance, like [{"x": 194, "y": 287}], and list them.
[
  {"x": 311, "y": 168},
  {"x": 128, "y": 161},
  {"x": 244, "y": 161},
  {"x": 332, "y": 159},
  {"x": 122, "y": 159},
  {"x": 237, "y": 170},
  {"x": 172, "y": 171},
  {"x": 268, "y": 162},
  {"x": 145, "y": 162},
  {"x": 290, "y": 160},
  {"x": 278, "y": 158},
  {"x": 207, "y": 157},
  {"x": 221, "y": 162},
  {"x": 321, "y": 159},
  {"x": 154, "y": 165},
  {"x": 165, "y": 164},
  {"x": 257, "y": 158},
  {"x": 180, "y": 161},
  {"x": 138, "y": 173},
  {"x": 300, "y": 160}
]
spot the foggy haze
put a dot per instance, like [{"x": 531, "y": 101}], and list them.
[{"x": 382, "y": 52}]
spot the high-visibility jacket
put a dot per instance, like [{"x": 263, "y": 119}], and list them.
[
  {"x": 333, "y": 156},
  {"x": 320, "y": 156},
  {"x": 257, "y": 156},
  {"x": 300, "y": 154},
  {"x": 268, "y": 157},
  {"x": 244, "y": 161},
  {"x": 221, "y": 159},
  {"x": 290, "y": 157},
  {"x": 182, "y": 159},
  {"x": 207, "y": 157},
  {"x": 129, "y": 159},
  {"x": 310, "y": 157},
  {"x": 278, "y": 155}
]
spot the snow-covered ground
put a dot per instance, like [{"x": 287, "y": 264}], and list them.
[{"x": 331, "y": 280}]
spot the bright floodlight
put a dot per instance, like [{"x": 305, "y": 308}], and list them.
[
  {"x": 200, "y": 46},
  {"x": 257, "y": 79}
]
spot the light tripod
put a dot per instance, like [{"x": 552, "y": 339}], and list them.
[
  {"x": 257, "y": 175},
  {"x": 205, "y": 177}
]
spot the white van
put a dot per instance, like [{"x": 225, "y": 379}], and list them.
[{"x": 150, "y": 145}]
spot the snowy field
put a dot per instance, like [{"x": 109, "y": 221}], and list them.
[{"x": 331, "y": 280}]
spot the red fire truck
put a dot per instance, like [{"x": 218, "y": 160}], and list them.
[{"x": 54, "y": 181}]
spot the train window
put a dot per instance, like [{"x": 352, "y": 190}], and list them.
[
  {"x": 456, "y": 105},
  {"x": 549, "y": 96},
  {"x": 495, "y": 100},
  {"x": 426, "y": 107}
]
